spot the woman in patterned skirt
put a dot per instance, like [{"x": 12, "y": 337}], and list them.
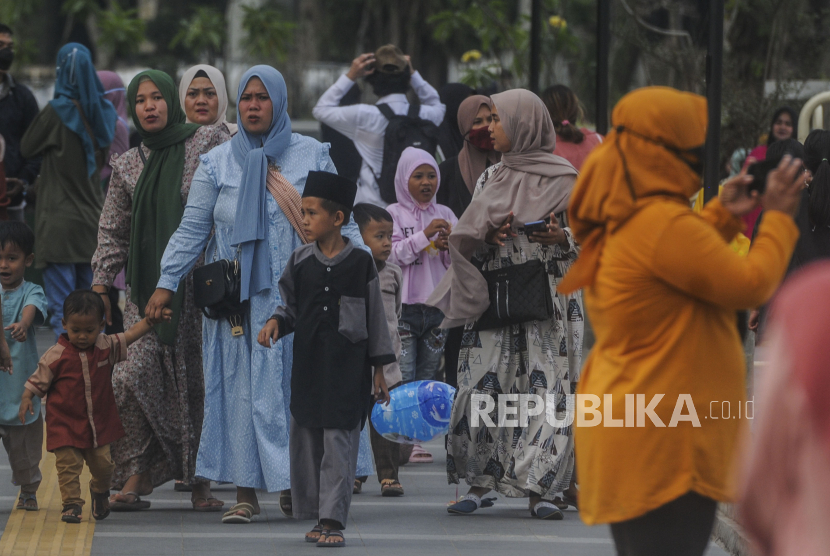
[
  {"x": 160, "y": 388},
  {"x": 539, "y": 358}
]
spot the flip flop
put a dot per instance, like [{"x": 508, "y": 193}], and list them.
[
  {"x": 323, "y": 542},
  {"x": 546, "y": 510},
  {"x": 469, "y": 503},
  {"x": 24, "y": 498},
  {"x": 419, "y": 455},
  {"x": 389, "y": 487},
  {"x": 316, "y": 529},
  {"x": 100, "y": 504},
  {"x": 74, "y": 517},
  {"x": 136, "y": 505},
  {"x": 208, "y": 507},
  {"x": 232, "y": 516}
]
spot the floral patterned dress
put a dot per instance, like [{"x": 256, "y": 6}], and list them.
[
  {"x": 160, "y": 389},
  {"x": 538, "y": 357}
]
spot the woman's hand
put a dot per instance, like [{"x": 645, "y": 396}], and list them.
[
  {"x": 497, "y": 236},
  {"x": 269, "y": 333},
  {"x": 437, "y": 225},
  {"x": 554, "y": 236},
  {"x": 103, "y": 291},
  {"x": 160, "y": 300},
  {"x": 442, "y": 242},
  {"x": 362, "y": 66},
  {"x": 784, "y": 186},
  {"x": 735, "y": 198}
]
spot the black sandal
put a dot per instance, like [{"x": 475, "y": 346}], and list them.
[
  {"x": 323, "y": 542},
  {"x": 74, "y": 517},
  {"x": 316, "y": 529},
  {"x": 100, "y": 504}
]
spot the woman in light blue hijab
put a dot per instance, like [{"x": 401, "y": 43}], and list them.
[{"x": 247, "y": 387}]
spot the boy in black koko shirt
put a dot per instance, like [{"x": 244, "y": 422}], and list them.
[{"x": 333, "y": 305}]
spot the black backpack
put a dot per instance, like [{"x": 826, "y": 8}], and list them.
[{"x": 402, "y": 132}]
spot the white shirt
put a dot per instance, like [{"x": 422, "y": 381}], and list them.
[{"x": 365, "y": 125}]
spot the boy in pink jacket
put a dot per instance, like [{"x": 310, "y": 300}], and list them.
[{"x": 419, "y": 247}]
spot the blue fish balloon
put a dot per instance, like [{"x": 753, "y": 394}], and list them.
[{"x": 419, "y": 411}]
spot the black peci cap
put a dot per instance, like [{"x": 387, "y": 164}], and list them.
[{"x": 326, "y": 185}]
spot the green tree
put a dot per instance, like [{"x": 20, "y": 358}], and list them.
[
  {"x": 203, "y": 33},
  {"x": 269, "y": 34},
  {"x": 120, "y": 30}
]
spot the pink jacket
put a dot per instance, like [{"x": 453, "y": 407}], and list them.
[{"x": 422, "y": 264}]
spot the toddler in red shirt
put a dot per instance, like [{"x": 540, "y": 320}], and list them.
[{"x": 81, "y": 415}]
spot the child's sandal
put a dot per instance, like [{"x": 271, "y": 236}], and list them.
[
  {"x": 74, "y": 515},
  {"x": 100, "y": 504},
  {"x": 335, "y": 533},
  {"x": 27, "y": 501}
]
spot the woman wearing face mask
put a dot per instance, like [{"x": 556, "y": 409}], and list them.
[
  {"x": 459, "y": 173},
  {"x": 160, "y": 388},
  {"x": 204, "y": 97},
  {"x": 458, "y": 180},
  {"x": 245, "y": 204},
  {"x": 534, "y": 459}
]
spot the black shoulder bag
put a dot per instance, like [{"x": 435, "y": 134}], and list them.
[
  {"x": 217, "y": 287},
  {"x": 518, "y": 293}
]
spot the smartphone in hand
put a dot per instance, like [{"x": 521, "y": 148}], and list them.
[
  {"x": 534, "y": 227},
  {"x": 759, "y": 172}
]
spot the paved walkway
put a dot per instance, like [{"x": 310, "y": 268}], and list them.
[{"x": 416, "y": 524}]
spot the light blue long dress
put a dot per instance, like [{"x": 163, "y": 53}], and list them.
[{"x": 247, "y": 387}]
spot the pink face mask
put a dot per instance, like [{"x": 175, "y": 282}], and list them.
[{"x": 480, "y": 138}]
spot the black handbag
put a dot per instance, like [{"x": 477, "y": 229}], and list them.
[
  {"x": 216, "y": 291},
  {"x": 518, "y": 293}
]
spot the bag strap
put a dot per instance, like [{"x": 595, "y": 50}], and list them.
[
  {"x": 141, "y": 153},
  {"x": 386, "y": 111},
  {"x": 414, "y": 110},
  {"x": 86, "y": 123}
]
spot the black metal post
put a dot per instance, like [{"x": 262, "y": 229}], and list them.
[
  {"x": 603, "y": 53},
  {"x": 714, "y": 84},
  {"x": 535, "y": 46}
]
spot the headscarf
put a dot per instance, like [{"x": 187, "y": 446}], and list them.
[
  {"x": 215, "y": 76},
  {"x": 801, "y": 312},
  {"x": 157, "y": 199},
  {"x": 793, "y": 118},
  {"x": 471, "y": 161},
  {"x": 532, "y": 182},
  {"x": 115, "y": 92},
  {"x": 411, "y": 158},
  {"x": 253, "y": 152},
  {"x": 632, "y": 168},
  {"x": 449, "y": 138},
  {"x": 76, "y": 79}
]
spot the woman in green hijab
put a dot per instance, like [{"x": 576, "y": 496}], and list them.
[{"x": 160, "y": 388}]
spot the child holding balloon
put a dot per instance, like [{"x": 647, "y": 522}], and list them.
[
  {"x": 376, "y": 225},
  {"x": 419, "y": 247}
]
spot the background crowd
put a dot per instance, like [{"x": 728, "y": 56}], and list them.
[{"x": 617, "y": 239}]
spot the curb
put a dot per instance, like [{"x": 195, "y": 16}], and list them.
[{"x": 728, "y": 533}]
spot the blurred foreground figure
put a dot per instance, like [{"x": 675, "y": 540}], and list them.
[
  {"x": 662, "y": 287},
  {"x": 785, "y": 503}
]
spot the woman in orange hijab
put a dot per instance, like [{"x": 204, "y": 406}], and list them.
[{"x": 662, "y": 287}]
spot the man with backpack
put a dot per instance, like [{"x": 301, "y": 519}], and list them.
[{"x": 382, "y": 131}]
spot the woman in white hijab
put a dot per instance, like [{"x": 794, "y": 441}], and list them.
[{"x": 204, "y": 97}]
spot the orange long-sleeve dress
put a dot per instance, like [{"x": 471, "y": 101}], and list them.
[{"x": 663, "y": 305}]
